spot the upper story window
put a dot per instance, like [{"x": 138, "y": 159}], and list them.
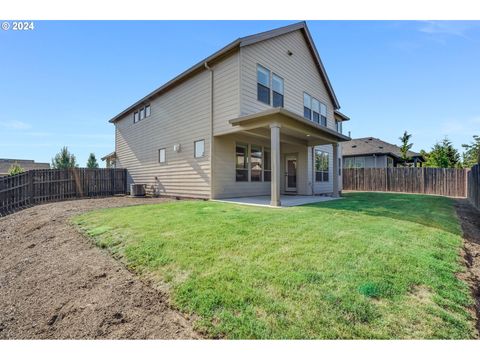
[
  {"x": 269, "y": 87},
  {"x": 142, "y": 113},
  {"x": 263, "y": 84},
  {"x": 339, "y": 126},
  {"x": 316, "y": 111},
  {"x": 323, "y": 114},
  {"x": 307, "y": 106},
  {"x": 277, "y": 91}
]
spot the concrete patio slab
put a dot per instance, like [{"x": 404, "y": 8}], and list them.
[{"x": 286, "y": 200}]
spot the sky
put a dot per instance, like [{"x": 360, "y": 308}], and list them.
[{"x": 61, "y": 82}]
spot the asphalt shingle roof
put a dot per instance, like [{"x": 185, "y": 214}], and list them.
[{"x": 371, "y": 145}]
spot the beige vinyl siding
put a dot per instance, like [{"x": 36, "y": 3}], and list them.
[
  {"x": 226, "y": 92},
  {"x": 179, "y": 116},
  {"x": 299, "y": 72}
]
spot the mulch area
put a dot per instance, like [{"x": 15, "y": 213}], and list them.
[
  {"x": 55, "y": 284},
  {"x": 470, "y": 221}
]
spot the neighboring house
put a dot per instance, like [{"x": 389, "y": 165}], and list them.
[
  {"x": 110, "y": 160},
  {"x": 6, "y": 164},
  {"x": 258, "y": 117},
  {"x": 371, "y": 152}
]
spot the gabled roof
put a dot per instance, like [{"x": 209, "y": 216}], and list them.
[
  {"x": 240, "y": 42},
  {"x": 371, "y": 146}
]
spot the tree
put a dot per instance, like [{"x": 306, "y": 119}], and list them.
[
  {"x": 405, "y": 147},
  {"x": 443, "y": 155},
  {"x": 92, "y": 162},
  {"x": 471, "y": 156},
  {"x": 15, "y": 169},
  {"x": 64, "y": 160}
]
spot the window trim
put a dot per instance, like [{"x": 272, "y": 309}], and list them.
[
  {"x": 164, "y": 156},
  {"x": 308, "y": 107},
  {"x": 269, "y": 86},
  {"x": 195, "y": 149},
  {"x": 275, "y": 92},
  {"x": 324, "y": 179},
  {"x": 149, "y": 110},
  {"x": 247, "y": 163},
  {"x": 136, "y": 117},
  {"x": 251, "y": 162}
]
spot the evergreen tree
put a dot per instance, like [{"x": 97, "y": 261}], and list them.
[
  {"x": 443, "y": 155},
  {"x": 64, "y": 160},
  {"x": 406, "y": 146},
  {"x": 471, "y": 156},
  {"x": 92, "y": 162}
]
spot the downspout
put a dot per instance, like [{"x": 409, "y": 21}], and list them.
[{"x": 211, "y": 129}]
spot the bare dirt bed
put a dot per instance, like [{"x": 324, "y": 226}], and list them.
[
  {"x": 470, "y": 221},
  {"x": 55, "y": 284}
]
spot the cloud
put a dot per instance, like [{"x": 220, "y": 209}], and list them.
[
  {"x": 450, "y": 28},
  {"x": 15, "y": 125}
]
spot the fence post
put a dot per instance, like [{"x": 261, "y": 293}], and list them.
[{"x": 31, "y": 177}]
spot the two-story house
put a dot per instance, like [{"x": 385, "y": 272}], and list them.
[{"x": 258, "y": 117}]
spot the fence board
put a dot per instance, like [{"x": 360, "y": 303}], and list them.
[
  {"x": 473, "y": 187},
  {"x": 447, "y": 182},
  {"x": 46, "y": 185}
]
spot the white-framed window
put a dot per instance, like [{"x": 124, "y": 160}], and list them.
[
  {"x": 339, "y": 126},
  {"x": 321, "y": 165},
  {"x": 256, "y": 163},
  {"x": 263, "y": 84},
  {"x": 323, "y": 114},
  {"x": 199, "y": 148},
  {"x": 142, "y": 113},
  {"x": 389, "y": 162},
  {"x": 307, "y": 106},
  {"x": 277, "y": 91},
  {"x": 241, "y": 162},
  {"x": 316, "y": 111},
  {"x": 267, "y": 165},
  {"x": 162, "y": 156}
]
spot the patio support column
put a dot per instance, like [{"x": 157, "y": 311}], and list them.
[
  {"x": 335, "y": 170},
  {"x": 275, "y": 151}
]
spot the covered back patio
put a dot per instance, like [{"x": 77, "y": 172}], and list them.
[{"x": 286, "y": 132}]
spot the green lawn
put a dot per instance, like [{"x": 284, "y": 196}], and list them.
[{"x": 370, "y": 265}]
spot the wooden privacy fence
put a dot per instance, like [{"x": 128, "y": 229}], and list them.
[
  {"x": 40, "y": 186},
  {"x": 447, "y": 182},
  {"x": 474, "y": 186}
]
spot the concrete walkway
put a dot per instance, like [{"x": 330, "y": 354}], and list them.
[{"x": 286, "y": 200}]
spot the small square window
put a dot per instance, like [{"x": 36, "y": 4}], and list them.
[
  {"x": 135, "y": 117},
  {"x": 147, "y": 111},
  {"x": 161, "y": 156},
  {"x": 199, "y": 148},
  {"x": 142, "y": 113}
]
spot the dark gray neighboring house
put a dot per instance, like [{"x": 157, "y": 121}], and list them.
[
  {"x": 26, "y": 165},
  {"x": 371, "y": 152}
]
